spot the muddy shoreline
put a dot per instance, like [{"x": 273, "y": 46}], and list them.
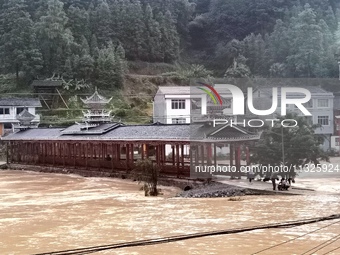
[
  {"x": 224, "y": 190},
  {"x": 190, "y": 188}
]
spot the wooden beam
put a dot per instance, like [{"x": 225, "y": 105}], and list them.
[
  {"x": 62, "y": 98},
  {"x": 7, "y": 152},
  {"x": 45, "y": 102},
  {"x": 143, "y": 153},
  {"x": 87, "y": 155},
  {"x": 177, "y": 160},
  {"x": 113, "y": 157},
  {"x": 54, "y": 151},
  {"x": 127, "y": 154},
  {"x": 147, "y": 150},
  {"x": 132, "y": 154},
  {"x": 202, "y": 155},
  {"x": 173, "y": 154},
  {"x": 64, "y": 152},
  {"x": 182, "y": 151},
  {"x": 209, "y": 154},
  {"x": 74, "y": 146}
]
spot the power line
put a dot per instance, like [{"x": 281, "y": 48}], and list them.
[
  {"x": 271, "y": 247},
  {"x": 94, "y": 249},
  {"x": 323, "y": 245},
  {"x": 331, "y": 251}
]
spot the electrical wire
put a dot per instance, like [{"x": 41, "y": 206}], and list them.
[
  {"x": 94, "y": 249},
  {"x": 276, "y": 245},
  {"x": 322, "y": 245},
  {"x": 331, "y": 251}
]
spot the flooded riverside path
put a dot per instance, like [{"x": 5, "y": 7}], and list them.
[{"x": 48, "y": 212}]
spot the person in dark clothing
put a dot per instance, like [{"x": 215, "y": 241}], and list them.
[{"x": 273, "y": 179}]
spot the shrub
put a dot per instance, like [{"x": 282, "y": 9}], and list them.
[{"x": 146, "y": 171}]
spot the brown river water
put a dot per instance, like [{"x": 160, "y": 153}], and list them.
[{"x": 49, "y": 212}]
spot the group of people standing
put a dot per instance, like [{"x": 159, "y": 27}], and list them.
[{"x": 282, "y": 185}]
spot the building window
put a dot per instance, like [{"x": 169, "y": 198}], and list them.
[
  {"x": 4, "y": 111},
  {"x": 178, "y": 104},
  {"x": 323, "y": 120},
  {"x": 20, "y": 109},
  {"x": 323, "y": 103},
  {"x": 337, "y": 141},
  {"x": 179, "y": 121}
]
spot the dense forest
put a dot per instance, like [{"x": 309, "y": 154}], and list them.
[{"x": 94, "y": 40}]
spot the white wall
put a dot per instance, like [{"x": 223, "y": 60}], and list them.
[
  {"x": 182, "y": 113},
  {"x": 334, "y": 145},
  {"x": 12, "y": 116}
]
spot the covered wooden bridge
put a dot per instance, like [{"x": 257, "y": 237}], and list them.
[{"x": 111, "y": 147}]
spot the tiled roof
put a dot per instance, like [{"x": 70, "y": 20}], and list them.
[
  {"x": 177, "y": 90},
  {"x": 190, "y": 90},
  {"x": 35, "y": 134},
  {"x": 17, "y": 101},
  {"x": 47, "y": 83},
  {"x": 150, "y": 132},
  {"x": 96, "y": 98},
  {"x": 25, "y": 116},
  {"x": 176, "y": 132},
  {"x": 83, "y": 129},
  {"x": 313, "y": 90}
]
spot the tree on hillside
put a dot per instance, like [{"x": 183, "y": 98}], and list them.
[
  {"x": 18, "y": 47},
  {"x": 54, "y": 37},
  {"x": 306, "y": 47},
  {"x": 279, "y": 42},
  {"x": 78, "y": 22},
  {"x": 94, "y": 49},
  {"x": 85, "y": 63},
  {"x": 300, "y": 145},
  {"x": 238, "y": 69},
  {"x": 133, "y": 28},
  {"x": 255, "y": 51},
  {"x": 110, "y": 67},
  {"x": 102, "y": 25},
  {"x": 152, "y": 37},
  {"x": 225, "y": 54},
  {"x": 169, "y": 37}
]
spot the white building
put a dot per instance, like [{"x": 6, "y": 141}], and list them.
[
  {"x": 184, "y": 104},
  {"x": 10, "y": 108},
  {"x": 188, "y": 104}
]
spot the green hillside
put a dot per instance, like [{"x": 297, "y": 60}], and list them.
[{"x": 127, "y": 48}]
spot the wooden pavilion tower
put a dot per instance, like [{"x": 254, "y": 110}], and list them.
[{"x": 96, "y": 113}]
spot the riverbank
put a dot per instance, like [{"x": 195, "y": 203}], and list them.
[{"x": 186, "y": 188}]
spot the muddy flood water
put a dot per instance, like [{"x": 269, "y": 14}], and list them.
[{"x": 50, "y": 212}]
